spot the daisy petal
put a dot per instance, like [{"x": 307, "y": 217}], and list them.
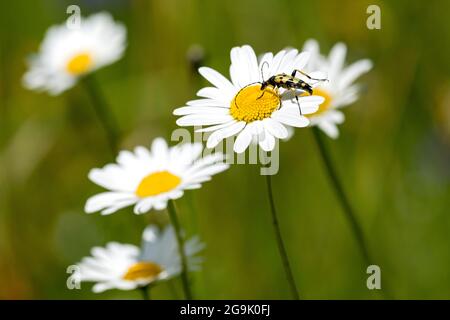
[
  {"x": 243, "y": 140},
  {"x": 182, "y": 111},
  {"x": 239, "y": 69},
  {"x": 143, "y": 206},
  {"x": 336, "y": 116},
  {"x": 214, "y": 94},
  {"x": 264, "y": 66},
  {"x": 218, "y": 135},
  {"x": 216, "y": 79},
  {"x": 159, "y": 145},
  {"x": 203, "y": 119},
  {"x": 301, "y": 60},
  {"x": 206, "y": 103},
  {"x": 160, "y": 205},
  {"x": 205, "y": 161},
  {"x": 216, "y": 127},
  {"x": 274, "y": 67},
  {"x": 311, "y": 46},
  {"x": 102, "y": 286},
  {"x": 108, "y": 199},
  {"x": 252, "y": 63},
  {"x": 286, "y": 63},
  {"x": 275, "y": 128},
  {"x": 289, "y": 119},
  {"x": 308, "y": 104},
  {"x": 354, "y": 71},
  {"x": 348, "y": 96},
  {"x": 268, "y": 144},
  {"x": 211, "y": 170},
  {"x": 329, "y": 128},
  {"x": 337, "y": 59}
]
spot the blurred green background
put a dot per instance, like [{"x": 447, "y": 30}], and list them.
[{"x": 393, "y": 153}]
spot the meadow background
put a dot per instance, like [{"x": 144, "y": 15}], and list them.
[{"x": 393, "y": 153}]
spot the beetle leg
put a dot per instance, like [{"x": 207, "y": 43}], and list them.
[
  {"x": 264, "y": 91},
  {"x": 299, "y": 109}
]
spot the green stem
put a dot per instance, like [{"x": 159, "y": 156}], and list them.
[
  {"x": 349, "y": 214},
  {"x": 103, "y": 112},
  {"x": 176, "y": 224},
  {"x": 192, "y": 211},
  {"x": 280, "y": 243},
  {"x": 145, "y": 290}
]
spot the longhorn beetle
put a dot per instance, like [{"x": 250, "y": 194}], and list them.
[{"x": 288, "y": 82}]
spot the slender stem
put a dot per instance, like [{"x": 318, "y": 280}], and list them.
[
  {"x": 349, "y": 214},
  {"x": 192, "y": 212},
  {"x": 103, "y": 112},
  {"x": 176, "y": 225},
  {"x": 280, "y": 243},
  {"x": 145, "y": 292}
]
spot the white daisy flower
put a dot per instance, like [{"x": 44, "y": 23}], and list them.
[
  {"x": 339, "y": 91},
  {"x": 66, "y": 54},
  {"x": 127, "y": 267},
  {"x": 149, "y": 178},
  {"x": 237, "y": 107}
]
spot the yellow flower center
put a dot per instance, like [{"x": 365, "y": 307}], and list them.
[
  {"x": 79, "y": 64},
  {"x": 325, "y": 105},
  {"x": 252, "y": 103},
  {"x": 142, "y": 271},
  {"x": 157, "y": 183}
]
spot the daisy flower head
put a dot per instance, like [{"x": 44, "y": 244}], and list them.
[
  {"x": 127, "y": 267},
  {"x": 66, "y": 53},
  {"x": 340, "y": 90},
  {"x": 240, "y": 107},
  {"x": 148, "y": 178}
]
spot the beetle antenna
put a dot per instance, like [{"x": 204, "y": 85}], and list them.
[{"x": 262, "y": 66}]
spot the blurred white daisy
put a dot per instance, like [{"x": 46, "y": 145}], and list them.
[
  {"x": 127, "y": 267},
  {"x": 66, "y": 53},
  {"x": 339, "y": 91},
  {"x": 149, "y": 178},
  {"x": 237, "y": 107}
]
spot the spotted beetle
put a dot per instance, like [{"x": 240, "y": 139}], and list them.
[{"x": 289, "y": 82}]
